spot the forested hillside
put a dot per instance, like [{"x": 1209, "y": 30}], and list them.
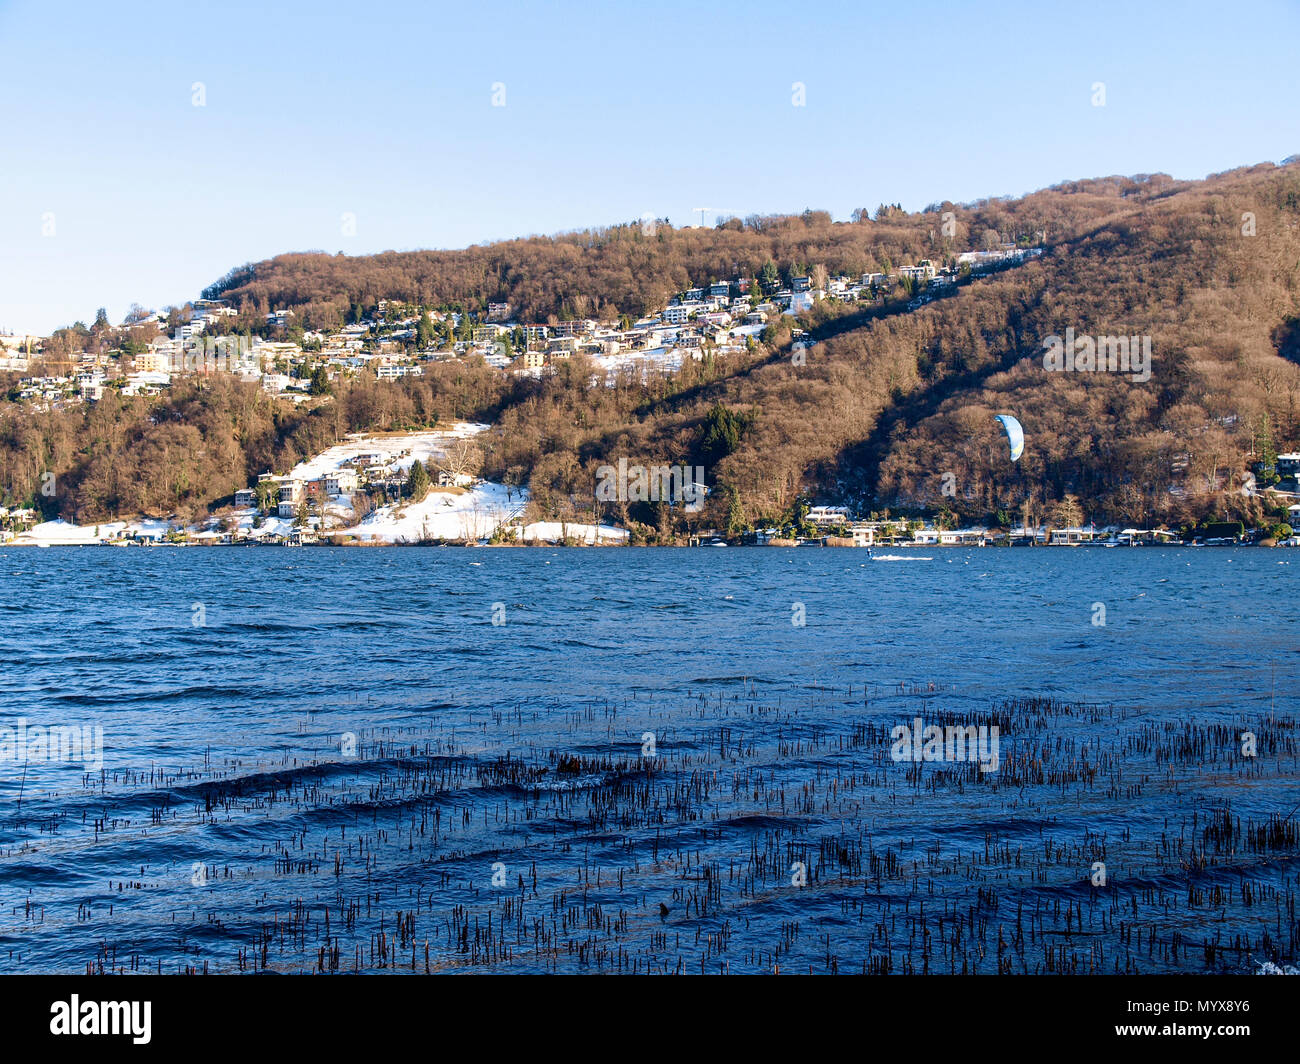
[
  {"x": 631, "y": 268},
  {"x": 885, "y": 403},
  {"x": 879, "y": 411}
]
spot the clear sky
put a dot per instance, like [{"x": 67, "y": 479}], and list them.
[{"x": 115, "y": 187}]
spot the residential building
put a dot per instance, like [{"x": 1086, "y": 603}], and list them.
[
  {"x": 158, "y": 359},
  {"x": 1068, "y": 536},
  {"x": 340, "y": 482},
  {"x": 291, "y": 496},
  {"x": 580, "y": 327},
  {"x": 800, "y": 301},
  {"x": 392, "y": 373},
  {"x": 922, "y": 271},
  {"x": 965, "y": 537},
  {"x": 825, "y": 516}
]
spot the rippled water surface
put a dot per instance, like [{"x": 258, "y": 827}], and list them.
[{"x": 436, "y": 759}]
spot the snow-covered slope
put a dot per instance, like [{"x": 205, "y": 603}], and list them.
[{"x": 460, "y": 514}]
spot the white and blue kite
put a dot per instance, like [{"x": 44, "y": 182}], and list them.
[{"x": 1015, "y": 435}]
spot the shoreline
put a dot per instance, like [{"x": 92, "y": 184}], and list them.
[{"x": 608, "y": 544}]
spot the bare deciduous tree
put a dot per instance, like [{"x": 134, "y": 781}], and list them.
[{"x": 462, "y": 458}]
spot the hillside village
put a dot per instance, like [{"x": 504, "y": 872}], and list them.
[{"x": 393, "y": 340}]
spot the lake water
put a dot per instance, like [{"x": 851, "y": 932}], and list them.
[{"x": 517, "y": 759}]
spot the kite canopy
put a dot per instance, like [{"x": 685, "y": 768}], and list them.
[{"x": 1015, "y": 435}]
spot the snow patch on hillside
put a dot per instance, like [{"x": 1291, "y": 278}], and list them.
[
  {"x": 472, "y": 514},
  {"x": 397, "y": 450}
]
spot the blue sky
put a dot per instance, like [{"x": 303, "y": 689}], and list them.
[{"x": 385, "y": 111}]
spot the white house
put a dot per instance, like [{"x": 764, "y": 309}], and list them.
[
  {"x": 800, "y": 301},
  {"x": 828, "y": 515},
  {"x": 922, "y": 271},
  {"x": 340, "y": 482},
  {"x": 291, "y": 493}
]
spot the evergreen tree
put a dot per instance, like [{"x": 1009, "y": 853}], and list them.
[
  {"x": 267, "y": 496},
  {"x": 722, "y": 430},
  {"x": 417, "y": 482},
  {"x": 1266, "y": 466},
  {"x": 799, "y": 516},
  {"x": 735, "y": 515},
  {"x": 424, "y": 331}
]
